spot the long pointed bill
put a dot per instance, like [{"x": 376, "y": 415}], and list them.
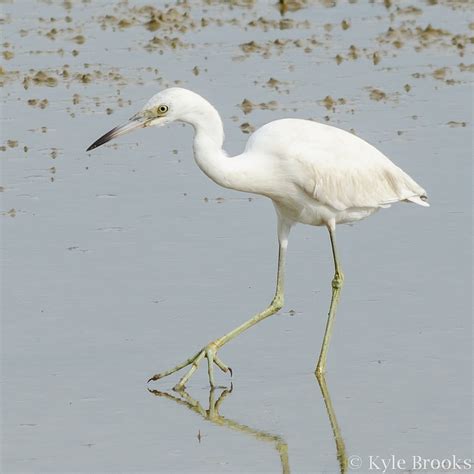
[{"x": 134, "y": 123}]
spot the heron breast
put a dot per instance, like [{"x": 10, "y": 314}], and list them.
[{"x": 312, "y": 212}]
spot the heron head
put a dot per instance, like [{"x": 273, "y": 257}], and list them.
[{"x": 165, "y": 107}]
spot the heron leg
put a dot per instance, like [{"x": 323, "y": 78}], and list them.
[
  {"x": 336, "y": 290},
  {"x": 210, "y": 351}
]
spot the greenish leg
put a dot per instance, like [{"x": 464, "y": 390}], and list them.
[
  {"x": 210, "y": 351},
  {"x": 336, "y": 290},
  {"x": 275, "y": 305}
]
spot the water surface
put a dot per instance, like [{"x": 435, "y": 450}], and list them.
[{"x": 122, "y": 262}]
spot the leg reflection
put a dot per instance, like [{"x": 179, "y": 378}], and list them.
[
  {"x": 212, "y": 414},
  {"x": 340, "y": 446}
]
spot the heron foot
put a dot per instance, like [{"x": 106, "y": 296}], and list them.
[{"x": 210, "y": 353}]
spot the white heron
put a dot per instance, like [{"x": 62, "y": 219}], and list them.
[{"x": 315, "y": 174}]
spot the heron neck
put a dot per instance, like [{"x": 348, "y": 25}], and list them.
[{"x": 209, "y": 154}]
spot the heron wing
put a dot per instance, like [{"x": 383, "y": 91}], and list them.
[
  {"x": 335, "y": 167},
  {"x": 357, "y": 181}
]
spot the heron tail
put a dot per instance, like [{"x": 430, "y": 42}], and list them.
[{"x": 420, "y": 200}]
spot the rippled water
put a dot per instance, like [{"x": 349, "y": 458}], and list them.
[{"x": 121, "y": 263}]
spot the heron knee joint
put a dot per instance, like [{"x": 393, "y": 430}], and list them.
[{"x": 338, "y": 280}]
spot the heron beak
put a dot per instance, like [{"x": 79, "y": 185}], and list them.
[{"x": 137, "y": 121}]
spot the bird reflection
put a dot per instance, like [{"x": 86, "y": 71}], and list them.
[
  {"x": 213, "y": 415},
  {"x": 340, "y": 446}
]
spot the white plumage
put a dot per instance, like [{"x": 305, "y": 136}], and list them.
[
  {"x": 315, "y": 174},
  {"x": 321, "y": 172}
]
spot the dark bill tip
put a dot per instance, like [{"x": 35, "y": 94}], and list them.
[
  {"x": 104, "y": 139},
  {"x": 118, "y": 131}
]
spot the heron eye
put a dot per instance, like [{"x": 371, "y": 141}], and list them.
[{"x": 162, "y": 109}]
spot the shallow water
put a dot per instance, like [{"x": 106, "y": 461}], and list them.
[{"x": 122, "y": 262}]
